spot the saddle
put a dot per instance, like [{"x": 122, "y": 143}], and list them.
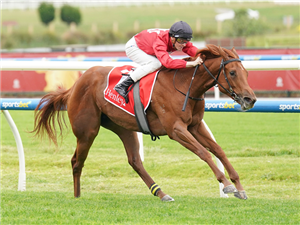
[{"x": 139, "y": 96}]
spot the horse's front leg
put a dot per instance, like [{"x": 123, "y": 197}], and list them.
[
  {"x": 204, "y": 138},
  {"x": 185, "y": 138}
]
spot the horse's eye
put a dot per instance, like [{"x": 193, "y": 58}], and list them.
[{"x": 232, "y": 73}]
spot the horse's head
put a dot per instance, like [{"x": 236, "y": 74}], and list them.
[{"x": 233, "y": 76}]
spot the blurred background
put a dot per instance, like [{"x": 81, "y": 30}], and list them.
[
  {"x": 81, "y": 29},
  {"x": 43, "y": 23}
]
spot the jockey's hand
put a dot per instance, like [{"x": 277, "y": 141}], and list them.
[{"x": 198, "y": 61}]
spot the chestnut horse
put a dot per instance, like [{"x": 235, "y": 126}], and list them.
[{"x": 88, "y": 110}]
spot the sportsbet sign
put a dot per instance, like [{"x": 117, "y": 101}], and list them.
[
  {"x": 227, "y": 105},
  {"x": 19, "y": 104},
  {"x": 220, "y": 105},
  {"x": 265, "y": 105}
]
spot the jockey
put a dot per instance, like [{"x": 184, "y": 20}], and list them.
[{"x": 151, "y": 48}]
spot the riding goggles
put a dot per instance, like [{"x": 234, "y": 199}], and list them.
[{"x": 182, "y": 40}]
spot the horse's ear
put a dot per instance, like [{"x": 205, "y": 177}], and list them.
[
  {"x": 223, "y": 54},
  {"x": 203, "y": 57},
  {"x": 213, "y": 49},
  {"x": 199, "y": 54},
  {"x": 234, "y": 52}
]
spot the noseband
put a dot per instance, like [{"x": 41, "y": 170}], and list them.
[{"x": 222, "y": 67}]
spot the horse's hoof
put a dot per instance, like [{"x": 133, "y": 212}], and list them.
[
  {"x": 240, "y": 195},
  {"x": 167, "y": 198},
  {"x": 229, "y": 189}
]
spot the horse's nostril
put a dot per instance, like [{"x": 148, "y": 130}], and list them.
[{"x": 248, "y": 100}]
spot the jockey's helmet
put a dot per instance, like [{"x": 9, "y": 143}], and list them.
[{"x": 181, "y": 30}]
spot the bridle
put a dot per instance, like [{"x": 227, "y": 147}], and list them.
[{"x": 222, "y": 67}]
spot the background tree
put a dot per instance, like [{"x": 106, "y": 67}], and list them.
[
  {"x": 243, "y": 26},
  {"x": 46, "y": 12},
  {"x": 69, "y": 14}
]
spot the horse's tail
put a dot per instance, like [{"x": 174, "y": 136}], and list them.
[{"x": 50, "y": 107}]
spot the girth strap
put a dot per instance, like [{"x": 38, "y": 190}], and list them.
[{"x": 140, "y": 114}]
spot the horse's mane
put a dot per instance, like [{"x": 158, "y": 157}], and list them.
[{"x": 212, "y": 51}]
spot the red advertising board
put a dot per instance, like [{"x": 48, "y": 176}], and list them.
[
  {"x": 37, "y": 81},
  {"x": 288, "y": 80}
]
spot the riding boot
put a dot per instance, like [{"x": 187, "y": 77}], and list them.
[{"x": 122, "y": 87}]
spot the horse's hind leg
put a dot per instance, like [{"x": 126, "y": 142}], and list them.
[
  {"x": 85, "y": 127},
  {"x": 77, "y": 162},
  {"x": 131, "y": 144}
]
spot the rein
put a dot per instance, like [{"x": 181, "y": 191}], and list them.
[{"x": 187, "y": 94}]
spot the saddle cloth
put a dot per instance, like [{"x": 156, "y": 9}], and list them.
[{"x": 146, "y": 88}]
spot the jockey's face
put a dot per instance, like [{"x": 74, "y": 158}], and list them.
[{"x": 178, "y": 43}]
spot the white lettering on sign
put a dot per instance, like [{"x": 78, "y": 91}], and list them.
[
  {"x": 279, "y": 82},
  {"x": 16, "y": 84},
  {"x": 116, "y": 97},
  {"x": 289, "y": 107},
  {"x": 15, "y": 104},
  {"x": 225, "y": 105}
]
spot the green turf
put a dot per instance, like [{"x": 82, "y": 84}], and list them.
[
  {"x": 262, "y": 147},
  {"x": 61, "y": 208}
]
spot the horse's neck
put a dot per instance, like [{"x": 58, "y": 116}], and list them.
[{"x": 204, "y": 81}]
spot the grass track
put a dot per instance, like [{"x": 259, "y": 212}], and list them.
[
  {"x": 61, "y": 208},
  {"x": 263, "y": 148}
]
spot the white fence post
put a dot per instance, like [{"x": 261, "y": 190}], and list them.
[
  {"x": 217, "y": 92},
  {"x": 14, "y": 129},
  {"x": 141, "y": 150}
]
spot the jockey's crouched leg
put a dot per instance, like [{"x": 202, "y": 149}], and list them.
[{"x": 122, "y": 87}]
